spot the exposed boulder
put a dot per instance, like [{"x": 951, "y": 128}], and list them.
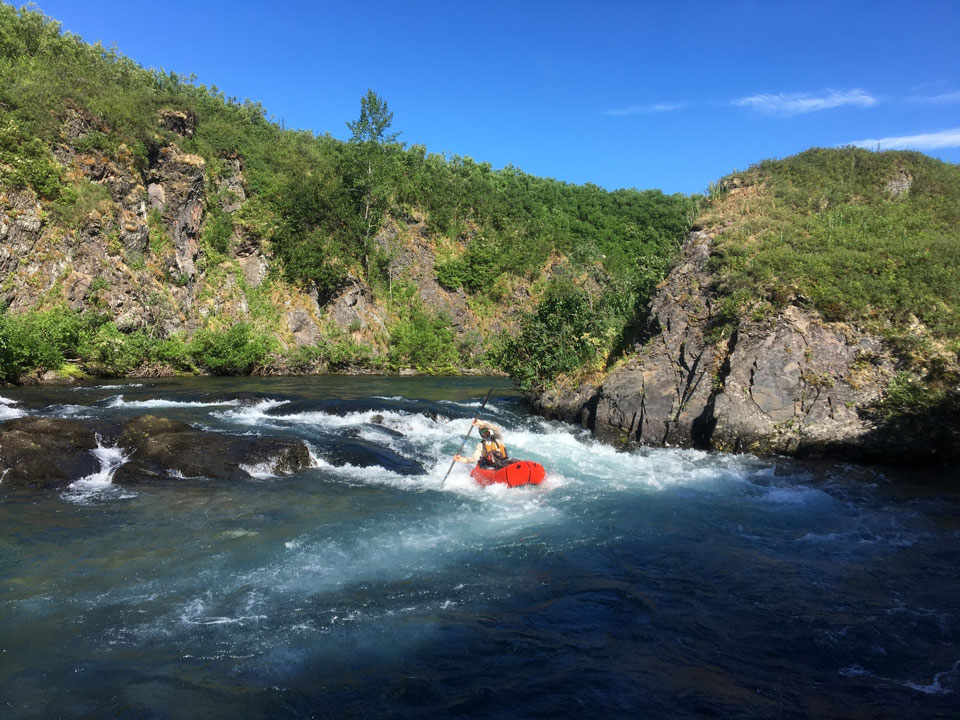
[
  {"x": 45, "y": 452},
  {"x": 163, "y": 448}
]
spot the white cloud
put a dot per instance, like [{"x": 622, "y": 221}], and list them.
[
  {"x": 925, "y": 141},
  {"x": 941, "y": 99},
  {"x": 786, "y": 104},
  {"x": 648, "y": 109}
]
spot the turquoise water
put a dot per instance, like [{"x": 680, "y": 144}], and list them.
[{"x": 657, "y": 583}]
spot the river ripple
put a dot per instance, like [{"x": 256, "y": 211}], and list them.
[{"x": 659, "y": 583}]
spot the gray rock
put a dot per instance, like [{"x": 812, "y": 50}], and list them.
[
  {"x": 181, "y": 122},
  {"x": 165, "y": 448},
  {"x": 304, "y": 329},
  {"x": 790, "y": 384},
  {"x": 45, "y": 452},
  {"x": 48, "y": 452}
]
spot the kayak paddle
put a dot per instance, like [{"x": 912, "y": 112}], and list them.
[{"x": 469, "y": 430}]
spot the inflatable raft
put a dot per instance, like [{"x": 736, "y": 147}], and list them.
[{"x": 518, "y": 472}]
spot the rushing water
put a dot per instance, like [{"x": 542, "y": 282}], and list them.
[{"x": 660, "y": 583}]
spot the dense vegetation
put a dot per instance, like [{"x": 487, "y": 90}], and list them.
[
  {"x": 858, "y": 235},
  {"x": 319, "y": 203}
]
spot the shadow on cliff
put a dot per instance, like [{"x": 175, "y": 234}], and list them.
[{"x": 929, "y": 434}]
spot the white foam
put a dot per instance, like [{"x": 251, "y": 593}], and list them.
[
  {"x": 936, "y": 688},
  {"x": 261, "y": 471},
  {"x": 105, "y": 387},
  {"x": 99, "y": 485},
  {"x": 193, "y": 614},
  {"x": 470, "y": 405},
  {"x": 118, "y": 402},
  {"x": 7, "y": 411},
  {"x": 251, "y": 414}
]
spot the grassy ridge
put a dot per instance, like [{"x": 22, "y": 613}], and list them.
[{"x": 857, "y": 235}]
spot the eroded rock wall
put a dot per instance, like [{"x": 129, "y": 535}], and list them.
[{"x": 791, "y": 383}]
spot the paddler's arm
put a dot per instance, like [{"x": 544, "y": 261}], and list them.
[
  {"x": 495, "y": 429},
  {"x": 478, "y": 451}
]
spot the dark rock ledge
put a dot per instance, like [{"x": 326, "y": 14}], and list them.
[{"x": 53, "y": 452}]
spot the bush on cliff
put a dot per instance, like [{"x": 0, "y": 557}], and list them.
[
  {"x": 571, "y": 330},
  {"x": 419, "y": 338}
]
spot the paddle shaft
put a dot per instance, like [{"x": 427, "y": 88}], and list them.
[{"x": 469, "y": 430}]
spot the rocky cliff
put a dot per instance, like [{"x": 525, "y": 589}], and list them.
[
  {"x": 791, "y": 383},
  {"x": 135, "y": 245}
]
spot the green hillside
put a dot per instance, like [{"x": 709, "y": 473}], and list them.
[
  {"x": 318, "y": 206},
  {"x": 871, "y": 238}
]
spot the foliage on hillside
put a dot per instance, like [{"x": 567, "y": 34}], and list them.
[
  {"x": 858, "y": 236},
  {"x": 319, "y": 201}
]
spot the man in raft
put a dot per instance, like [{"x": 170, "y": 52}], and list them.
[{"x": 490, "y": 451}]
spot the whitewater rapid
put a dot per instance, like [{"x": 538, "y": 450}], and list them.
[{"x": 662, "y": 581}]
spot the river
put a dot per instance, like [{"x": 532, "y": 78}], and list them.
[{"x": 650, "y": 583}]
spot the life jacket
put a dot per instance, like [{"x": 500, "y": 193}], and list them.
[{"x": 494, "y": 452}]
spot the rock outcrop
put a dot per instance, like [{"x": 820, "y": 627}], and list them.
[
  {"x": 54, "y": 452},
  {"x": 792, "y": 383},
  {"x": 46, "y": 452}
]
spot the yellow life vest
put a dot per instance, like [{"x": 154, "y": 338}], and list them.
[{"x": 494, "y": 450}]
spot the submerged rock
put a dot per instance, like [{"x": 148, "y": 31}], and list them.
[{"x": 47, "y": 452}]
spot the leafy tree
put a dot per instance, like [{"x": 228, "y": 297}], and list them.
[{"x": 374, "y": 167}]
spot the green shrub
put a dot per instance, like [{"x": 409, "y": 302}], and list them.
[
  {"x": 76, "y": 200},
  {"x": 237, "y": 351},
  {"x": 345, "y": 354},
  {"x": 570, "y": 330},
  {"x": 26, "y": 161},
  {"x": 424, "y": 341},
  {"x": 217, "y": 230},
  {"x": 39, "y": 339},
  {"x": 106, "y": 351}
]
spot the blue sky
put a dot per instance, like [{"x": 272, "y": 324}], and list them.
[{"x": 669, "y": 95}]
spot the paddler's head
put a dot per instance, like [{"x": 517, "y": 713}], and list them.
[{"x": 485, "y": 433}]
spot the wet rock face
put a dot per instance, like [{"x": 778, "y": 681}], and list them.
[
  {"x": 47, "y": 452},
  {"x": 787, "y": 384}
]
